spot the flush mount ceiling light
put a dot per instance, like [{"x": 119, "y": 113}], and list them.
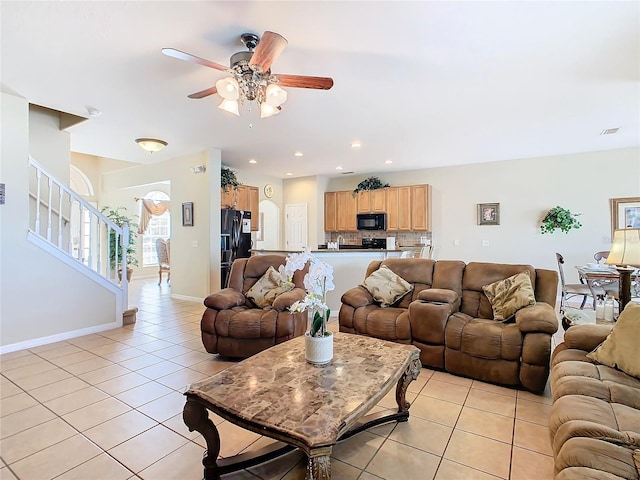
[
  {"x": 151, "y": 144},
  {"x": 251, "y": 79}
]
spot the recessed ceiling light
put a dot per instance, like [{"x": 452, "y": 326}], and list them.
[
  {"x": 388, "y": 161},
  {"x": 298, "y": 154},
  {"x": 253, "y": 160},
  {"x": 338, "y": 168},
  {"x": 289, "y": 174},
  {"x": 356, "y": 145}
]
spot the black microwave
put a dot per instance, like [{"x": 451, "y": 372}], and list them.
[{"x": 372, "y": 221}]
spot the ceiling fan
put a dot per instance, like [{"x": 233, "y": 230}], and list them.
[{"x": 251, "y": 78}]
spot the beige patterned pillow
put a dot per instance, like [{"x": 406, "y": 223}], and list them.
[
  {"x": 265, "y": 290},
  {"x": 386, "y": 287},
  {"x": 510, "y": 295},
  {"x": 620, "y": 348}
]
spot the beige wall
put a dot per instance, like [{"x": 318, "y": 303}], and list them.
[
  {"x": 36, "y": 300},
  {"x": 526, "y": 190}
]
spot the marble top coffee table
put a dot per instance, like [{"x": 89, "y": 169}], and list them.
[{"x": 278, "y": 394}]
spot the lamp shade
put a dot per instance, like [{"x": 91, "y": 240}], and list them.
[
  {"x": 228, "y": 88},
  {"x": 151, "y": 144},
  {"x": 267, "y": 110},
  {"x": 625, "y": 249},
  {"x": 230, "y": 106},
  {"x": 274, "y": 95}
]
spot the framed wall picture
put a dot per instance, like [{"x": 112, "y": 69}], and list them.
[
  {"x": 187, "y": 214},
  {"x": 488, "y": 214},
  {"x": 625, "y": 213}
]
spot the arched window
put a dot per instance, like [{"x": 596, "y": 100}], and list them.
[{"x": 159, "y": 227}]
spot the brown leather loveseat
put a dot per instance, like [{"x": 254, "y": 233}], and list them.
[
  {"x": 449, "y": 317},
  {"x": 234, "y": 326}
]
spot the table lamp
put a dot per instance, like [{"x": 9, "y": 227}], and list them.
[{"x": 625, "y": 253}]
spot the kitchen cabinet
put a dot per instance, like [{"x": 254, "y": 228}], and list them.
[
  {"x": 330, "y": 212},
  {"x": 398, "y": 208},
  {"x": 372, "y": 201},
  {"x": 228, "y": 198},
  {"x": 246, "y": 198},
  {"x": 254, "y": 207},
  {"x": 346, "y": 211},
  {"x": 421, "y": 207}
]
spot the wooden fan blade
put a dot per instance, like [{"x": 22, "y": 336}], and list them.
[
  {"x": 204, "y": 93},
  {"x": 302, "y": 81},
  {"x": 172, "y": 52},
  {"x": 270, "y": 47}
]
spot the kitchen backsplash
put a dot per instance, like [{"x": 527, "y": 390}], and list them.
[{"x": 402, "y": 238}]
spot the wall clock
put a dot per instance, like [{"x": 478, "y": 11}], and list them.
[{"x": 268, "y": 190}]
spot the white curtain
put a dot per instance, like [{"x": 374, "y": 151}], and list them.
[{"x": 148, "y": 209}]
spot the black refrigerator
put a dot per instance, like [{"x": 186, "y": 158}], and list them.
[{"x": 235, "y": 240}]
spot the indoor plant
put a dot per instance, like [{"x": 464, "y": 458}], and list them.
[
  {"x": 121, "y": 219},
  {"x": 371, "y": 183},
  {"x": 317, "y": 282},
  {"x": 228, "y": 179},
  {"x": 561, "y": 218}
]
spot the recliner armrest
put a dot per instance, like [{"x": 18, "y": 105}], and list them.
[
  {"x": 540, "y": 317},
  {"x": 286, "y": 299},
  {"x": 357, "y": 297},
  {"x": 225, "y": 299},
  {"x": 439, "y": 295},
  {"x": 586, "y": 337}
]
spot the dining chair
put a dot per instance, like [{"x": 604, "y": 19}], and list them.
[
  {"x": 601, "y": 255},
  {"x": 164, "y": 258},
  {"x": 569, "y": 290},
  {"x": 426, "y": 251}
]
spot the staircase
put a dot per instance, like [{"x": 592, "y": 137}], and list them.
[{"x": 64, "y": 224}]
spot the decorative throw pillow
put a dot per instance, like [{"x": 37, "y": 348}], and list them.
[
  {"x": 620, "y": 348},
  {"x": 510, "y": 295},
  {"x": 265, "y": 290},
  {"x": 386, "y": 287}
]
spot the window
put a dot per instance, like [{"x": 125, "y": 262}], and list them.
[{"x": 159, "y": 227}]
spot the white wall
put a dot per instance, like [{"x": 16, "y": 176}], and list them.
[
  {"x": 35, "y": 298},
  {"x": 195, "y": 257},
  {"x": 526, "y": 189}
]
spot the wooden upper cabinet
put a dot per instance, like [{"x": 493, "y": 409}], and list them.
[
  {"x": 254, "y": 207},
  {"x": 369, "y": 201},
  {"x": 330, "y": 212},
  {"x": 392, "y": 209},
  {"x": 229, "y": 198},
  {"x": 398, "y": 208},
  {"x": 347, "y": 209},
  {"x": 421, "y": 207},
  {"x": 243, "y": 198}
]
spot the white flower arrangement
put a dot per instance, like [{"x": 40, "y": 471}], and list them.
[{"x": 317, "y": 282}]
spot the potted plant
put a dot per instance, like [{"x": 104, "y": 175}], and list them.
[
  {"x": 228, "y": 179},
  {"x": 120, "y": 219},
  {"x": 559, "y": 218},
  {"x": 371, "y": 183}
]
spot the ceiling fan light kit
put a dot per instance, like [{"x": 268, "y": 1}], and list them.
[
  {"x": 151, "y": 144},
  {"x": 251, "y": 78}
]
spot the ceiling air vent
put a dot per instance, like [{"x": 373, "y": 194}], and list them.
[
  {"x": 609, "y": 131},
  {"x": 346, "y": 173}
]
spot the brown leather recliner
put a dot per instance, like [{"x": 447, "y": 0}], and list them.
[
  {"x": 451, "y": 320},
  {"x": 233, "y": 326}
]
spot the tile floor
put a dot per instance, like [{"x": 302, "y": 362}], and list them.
[{"x": 108, "y": 406}]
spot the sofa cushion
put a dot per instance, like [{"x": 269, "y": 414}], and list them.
[
  {"x": 510, "y": 295},
  {"x": 267, "y": 288},
  {"x": 620, "y": 348},
  {"x": 386, "y": 287}
]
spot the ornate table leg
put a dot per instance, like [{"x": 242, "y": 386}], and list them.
[
  {"x": 319, "y": 468},
  {"x": 195, "y": 417},
  {"x": 410, "y": 374}
]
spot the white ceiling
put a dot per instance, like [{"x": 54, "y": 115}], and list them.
[{"x": 423, "y": 84}]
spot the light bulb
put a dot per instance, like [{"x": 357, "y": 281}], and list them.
[
  {"x": 230, "y": 106},
  {"x": 275, "y": 96},
  {"x": 228, "y": 88},
  {"x": 267, "y": 110}
]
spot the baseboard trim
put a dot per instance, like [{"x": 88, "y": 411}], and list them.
[
  {"x": 36, "y": 342},
  {"x": 187, "y": 298}
]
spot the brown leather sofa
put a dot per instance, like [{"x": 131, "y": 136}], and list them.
[
  {"x": 233, "y": 326},
  {"x": 595, "y": 417},
  {"x": 448, "y": 316}
]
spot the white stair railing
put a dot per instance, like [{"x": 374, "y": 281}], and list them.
[{"x": 76, "y": 228}]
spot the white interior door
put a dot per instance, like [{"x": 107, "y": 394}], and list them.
[{"x": 296, "y": 226}]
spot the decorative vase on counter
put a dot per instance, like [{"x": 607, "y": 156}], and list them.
[{"x": 318, "y": 350}]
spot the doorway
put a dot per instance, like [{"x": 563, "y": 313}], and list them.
[
  {"x": 268, "y": 235},
  {"x": 296, "y": 236}
]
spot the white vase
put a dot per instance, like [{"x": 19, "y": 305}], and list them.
[{"x": 318, "y": 350}]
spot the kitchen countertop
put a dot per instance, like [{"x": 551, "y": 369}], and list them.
[{"x": 351, "y": 249}]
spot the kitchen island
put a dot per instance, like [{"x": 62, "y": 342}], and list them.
[{"x": 349, "y": 267}]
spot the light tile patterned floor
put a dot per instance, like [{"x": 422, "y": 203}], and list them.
[{"x": 108, "y": 406}]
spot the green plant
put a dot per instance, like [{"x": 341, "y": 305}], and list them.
[
  {"x": 371, "y": 183},
  {"x": 561, "y": 218},
  {"x": 228, "y": 178},
  {"x": 120, "y": 219}
]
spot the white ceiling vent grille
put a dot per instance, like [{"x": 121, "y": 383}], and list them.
[{"x": 609, "y": 131}]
